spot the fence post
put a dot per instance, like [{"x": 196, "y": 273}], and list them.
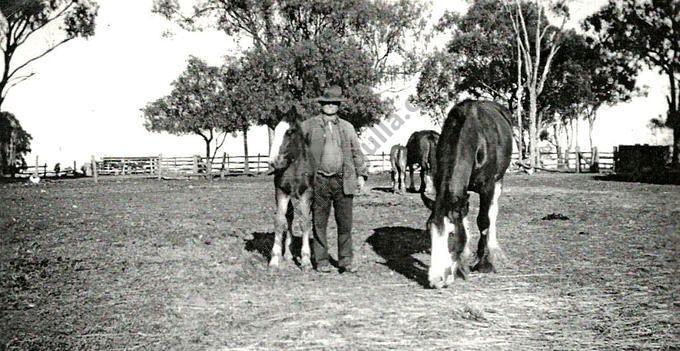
[
  {"x": 35, "y": 170},
  {"x": 615, "y": 158},
  {"x": 227, "y": 171},
  {"x": 159, "y": 172},
  {"x": 560, "y": 161},
  {"x": 257, "y": 169},
  {"x": 578, "y": 159},
  {"x": 94, "y": 169},
  {"x": 224, "y": 159},
  {"x": 594, "y": 160},
  {"x": 74, "y": 168},
  {"x": 382, "y": 162},
  {"x": 195, "y": 170},
  {"x": 208, "y": 168}
]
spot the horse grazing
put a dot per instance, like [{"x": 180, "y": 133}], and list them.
[
  {"x": 420, "y": 148},
  {"x": 293, "y": 179},
  {"x": 473, "y": 154},
  {"x": 398, "y": 163}
]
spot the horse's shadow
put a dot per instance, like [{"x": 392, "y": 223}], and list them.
[
  {"x": 397, "y": 245},
  {"x": 384, "y": 189},
  {"x": 262, "y": 243}
]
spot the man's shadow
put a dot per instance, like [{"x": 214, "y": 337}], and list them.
[{"x": 397, "y": 245}]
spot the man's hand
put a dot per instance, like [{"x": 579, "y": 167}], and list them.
[{"x": 361, "y": 182}]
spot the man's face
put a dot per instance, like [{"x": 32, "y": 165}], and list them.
[{"x": 329, "y": 109}]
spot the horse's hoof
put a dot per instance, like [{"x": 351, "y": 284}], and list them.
[
  {"x": 442, "y": 280},
  {"x": 484, "y": 266},
  {"x": 463, "y": 271},
  {"x": 274, "y": 262}
]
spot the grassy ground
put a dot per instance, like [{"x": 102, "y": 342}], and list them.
[{"x": 182, "y": 265}]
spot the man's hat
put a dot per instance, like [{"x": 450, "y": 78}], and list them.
[{"x": 332, "y": 95}]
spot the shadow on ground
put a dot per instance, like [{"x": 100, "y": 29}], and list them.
[
  {"x": 262, "y": 244},
  {"x": 384, "y": 189},
  {"x": 397, "y": 245},
  {"x": 661, "y": 178}
]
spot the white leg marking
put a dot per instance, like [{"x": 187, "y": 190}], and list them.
[
  {"x": 441, "y": 264},
  {"x": 279, "y": 228},
  {"x": 492, "y": 242},
  {"x": 306, "y": 224},
  {"x": 429, "y": 184},
  {"x": 466, "y": 254}
]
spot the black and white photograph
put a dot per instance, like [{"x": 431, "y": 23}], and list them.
[{"x": 339, "y": 175}]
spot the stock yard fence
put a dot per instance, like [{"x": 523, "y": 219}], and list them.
[
  {"x": 159, "y": 166},
  {"x": 226, "y": 165}
]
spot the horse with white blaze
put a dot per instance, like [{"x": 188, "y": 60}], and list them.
[{"x": 473, "y": 153}]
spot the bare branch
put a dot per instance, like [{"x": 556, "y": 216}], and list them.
[
  {"x": 17, "y": 80},
  {"x": 38, "y": 57}
]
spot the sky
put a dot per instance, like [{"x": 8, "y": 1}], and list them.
[{"x": 86, "y": 96}]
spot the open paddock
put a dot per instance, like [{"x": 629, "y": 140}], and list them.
[{"x": 153, "y": 264}]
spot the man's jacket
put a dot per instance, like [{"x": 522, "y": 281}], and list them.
[{"x": 353, "y": 164}]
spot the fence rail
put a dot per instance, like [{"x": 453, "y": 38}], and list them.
[
  {"x": 159, "y": 166},
  {"x": 168, "y": 167}
]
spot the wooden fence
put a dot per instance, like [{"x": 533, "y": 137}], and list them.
[
  {"x": 159, "y": 166},
  {"x": 224, "y": 165}
]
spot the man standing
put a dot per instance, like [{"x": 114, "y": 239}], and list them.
[{"x": 341, "y": 172}]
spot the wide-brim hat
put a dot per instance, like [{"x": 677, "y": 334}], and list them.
[{"x": 332, "y": 95}]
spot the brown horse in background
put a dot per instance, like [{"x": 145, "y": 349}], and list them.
[
  {"x": 420, "y": 149},
  {"x": 398, "y": 164}
]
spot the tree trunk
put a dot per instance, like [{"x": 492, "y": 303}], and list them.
[
  {"x": 533, "y": 135},
  {"x": 270, "y": 134},
  {"x": 673, "y": 119},
  {"x": 246, "y": 167},
  {"x": 675, "y": 163},
  {"x": 207, "y": 149},
  {"x": 518, "y": 94},
  {"x": 591, "y": 123}
]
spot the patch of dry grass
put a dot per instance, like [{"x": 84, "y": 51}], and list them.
[{"x": 182, "y": 265}]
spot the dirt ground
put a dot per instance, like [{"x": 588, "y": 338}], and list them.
[{"x": 143, "y": 264}]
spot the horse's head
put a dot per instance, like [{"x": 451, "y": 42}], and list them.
[
  {"x": 290, "y": 144},
  {"x": 293, "y": 147}
]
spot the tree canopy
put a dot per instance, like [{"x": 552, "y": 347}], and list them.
[
  {"x": 15, "y": 143},
  {"x": 198, "y": 104},
  {"x": 645, "y": 32},
  {"x": 21, "y": 19},
  {"x": 481, "y": 60},
  {"x": 299, "y": 47}
]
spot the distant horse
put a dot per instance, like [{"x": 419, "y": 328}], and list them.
[
  {"x": 420, "y": 150},
  {"x": 398, "y": 163},
  {"x": 293, "y": 179},
  {"x": 473, "y": 154}
]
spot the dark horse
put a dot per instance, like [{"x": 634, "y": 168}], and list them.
[
  {"x": 473, "y": 154},
  {"x": 398, "y": 165},
  {"x": 293, "y": 179},
  {"x": 420, "y": 150}
]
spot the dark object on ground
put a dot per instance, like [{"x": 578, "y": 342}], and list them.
[{"x": 553, "y": 216}]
